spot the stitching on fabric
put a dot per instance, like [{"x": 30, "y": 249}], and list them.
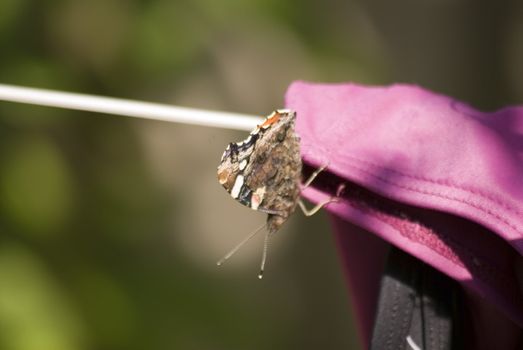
[
  {"x": 437, "y": 194},
  {"x": 393, "y": 316},
  {"x": 446, "y": 183},
  {"x": 432, "y": 193},
  {"x": 407, "y": 319},
  {"x": 432, "y": 326}
]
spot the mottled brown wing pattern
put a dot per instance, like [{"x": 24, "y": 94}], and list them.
[{"x": 263, "y": 171}]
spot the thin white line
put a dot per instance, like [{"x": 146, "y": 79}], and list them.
[
  {"x": 128, "y": 108},
  {"x": 413, "y": 345}
]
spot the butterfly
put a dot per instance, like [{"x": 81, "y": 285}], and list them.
[{"x": 263, "y": 172}]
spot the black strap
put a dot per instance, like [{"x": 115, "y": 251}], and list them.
[{"x": 418, "y": 307}]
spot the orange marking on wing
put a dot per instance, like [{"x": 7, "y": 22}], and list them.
[
  {"x": 223, "y": 176},
  {"x": 271, "y": 119}
]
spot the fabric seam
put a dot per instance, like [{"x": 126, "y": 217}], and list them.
[{"x": 365, "y": 169}]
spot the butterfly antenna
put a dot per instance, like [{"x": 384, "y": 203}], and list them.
[
  {"x": 264, "y": 256},
  {"x": 239, "y": 245}
]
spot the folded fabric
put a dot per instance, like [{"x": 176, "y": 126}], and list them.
[{"x": 429, "y": 175}]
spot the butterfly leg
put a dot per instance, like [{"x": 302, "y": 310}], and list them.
[
  {"x": 313, "y": 176},
  {"x": 333, "y": 199},
  {"x": 311, "y": 212}
]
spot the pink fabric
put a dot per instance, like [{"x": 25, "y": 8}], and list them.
[{"x": 426, "y": 173}]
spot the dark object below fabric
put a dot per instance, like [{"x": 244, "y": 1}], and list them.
[{"x": 418, "y": 307}]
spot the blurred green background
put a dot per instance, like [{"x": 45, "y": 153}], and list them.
[{"x": 110, "y": 227}]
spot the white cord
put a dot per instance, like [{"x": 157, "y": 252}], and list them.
[{"x": 127, "y": 108}]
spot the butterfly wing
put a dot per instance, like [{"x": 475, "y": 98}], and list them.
[{"x": 263, "y": 171}]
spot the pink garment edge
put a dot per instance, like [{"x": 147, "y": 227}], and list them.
[{"x": 421, "y": 192}]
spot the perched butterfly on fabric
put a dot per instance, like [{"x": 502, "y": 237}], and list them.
[{"x": 263, "y": 172}]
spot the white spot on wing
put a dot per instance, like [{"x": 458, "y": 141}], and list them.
[
  {"x": 238, "y": 183},
  {"x": 243, "y": 164}
]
